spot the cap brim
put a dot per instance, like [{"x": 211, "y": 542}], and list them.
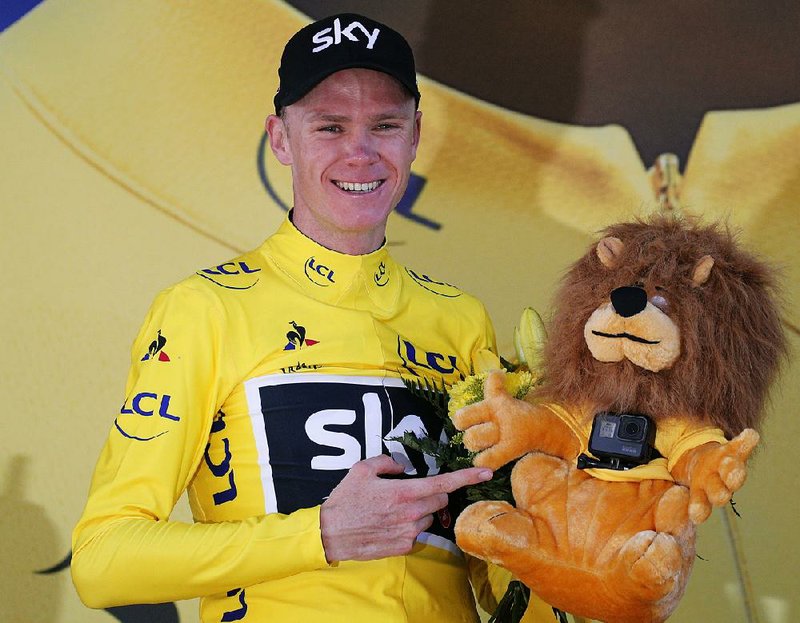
[{"x": 308, "y": 85}]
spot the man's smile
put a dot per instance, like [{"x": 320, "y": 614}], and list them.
[{"x": 358, "y": 187}]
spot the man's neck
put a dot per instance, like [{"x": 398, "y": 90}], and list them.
[{"x": 349, "y": 243}]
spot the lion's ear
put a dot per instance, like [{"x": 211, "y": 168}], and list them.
[
  {"x": 609, "y": 250},
  {"x": 702, "y": 270}
]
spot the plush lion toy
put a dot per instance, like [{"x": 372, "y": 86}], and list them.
[{"x": 665, "y": 318}]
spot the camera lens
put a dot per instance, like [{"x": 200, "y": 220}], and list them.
[{"x": 631, "y": 428}]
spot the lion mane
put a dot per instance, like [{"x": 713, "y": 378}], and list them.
[{"x": 731, "y": 340}]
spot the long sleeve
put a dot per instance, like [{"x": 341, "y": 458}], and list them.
[{"x": 125, "y": 548}]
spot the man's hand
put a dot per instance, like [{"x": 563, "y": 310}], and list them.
[{"x": 367, "y": 517}]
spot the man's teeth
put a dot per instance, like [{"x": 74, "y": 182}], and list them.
[{"x": 359, "y": 187}]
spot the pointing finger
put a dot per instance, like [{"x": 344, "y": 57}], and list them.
[
  {"x": 449, "y": 482},
  {"x": 377, "y": 465}
]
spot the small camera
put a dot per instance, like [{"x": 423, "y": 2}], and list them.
[{"x": 620, "y": 441}]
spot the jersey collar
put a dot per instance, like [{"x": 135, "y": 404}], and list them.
[{"x": 356, "y": 281}]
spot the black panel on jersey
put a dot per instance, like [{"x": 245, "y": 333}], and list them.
[{"x": 316, "y": 431}]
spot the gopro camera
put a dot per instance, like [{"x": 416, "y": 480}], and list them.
[{"x": 620, "y": 441}]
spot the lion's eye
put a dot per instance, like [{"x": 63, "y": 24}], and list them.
[{"x": 660, "y": 302}]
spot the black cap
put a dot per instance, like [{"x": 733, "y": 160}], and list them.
[{"x": 341, "y": 42}]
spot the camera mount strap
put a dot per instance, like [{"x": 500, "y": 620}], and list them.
[{"x": 585, "y": 461}]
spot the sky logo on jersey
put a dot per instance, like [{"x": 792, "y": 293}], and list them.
[
  {"x": 231, "y": 275},
  {"x": 381, "y": 275},
  {"x": 156, "y": 349},
  {"x": 416, "y": 359},
  {"x": 334, "y": 421},
  {"x": 317, "y": 273},
  {"x": 297, "y": 338},
  {"x": 441, "y": 288}
]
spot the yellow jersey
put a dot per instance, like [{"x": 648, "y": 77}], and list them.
[{"x": 255, "y": 385}]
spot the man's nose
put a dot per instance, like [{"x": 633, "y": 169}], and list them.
[{"x": 361, "y": 146}]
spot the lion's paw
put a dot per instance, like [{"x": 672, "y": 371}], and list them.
[
  {"x": 492, "y": 529},
  {"x": 653, "y": 560}
]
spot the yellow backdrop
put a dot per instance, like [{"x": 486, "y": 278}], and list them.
[{"x": 133, "y": 154}]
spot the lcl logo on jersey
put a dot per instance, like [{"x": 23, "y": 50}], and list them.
[
  {"x": 437, "y": 287},
  {"x": 239, "y": 613},
  {"x": 381, "y": 275},
  {"x": 317, "y": 273},
  {"x": 231, "y": 275},
  {"x": 415, "y": 358},
  {"x": 324, "y": 39},
  {"x": 147, "y": 404},
  {"x": 221, "y": 468}
]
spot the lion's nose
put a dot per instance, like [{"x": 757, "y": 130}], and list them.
[{"x": 628, "y": 300}]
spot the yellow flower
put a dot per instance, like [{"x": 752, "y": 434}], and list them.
[
  {"x": 485, "y": 360},
  {"x": 466, "y": 392},
  {"x": 470, "y": 390},
  {"x": 519, "y": 383}
]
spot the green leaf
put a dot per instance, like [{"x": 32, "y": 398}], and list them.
[{"x": 513, "y": 604}]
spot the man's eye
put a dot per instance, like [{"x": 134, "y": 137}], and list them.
[
  {"x": 387, "y": 126},
  {"x": 330, "y": 128}
]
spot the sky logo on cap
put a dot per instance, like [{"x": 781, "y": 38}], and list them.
[{"x": 324, "y": 39}]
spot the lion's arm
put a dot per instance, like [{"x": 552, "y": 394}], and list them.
[
  {"x": 713, "y": 472},
  {"x": 502, "y": 428}
]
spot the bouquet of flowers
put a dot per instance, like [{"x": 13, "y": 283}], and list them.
[{"x": 521, "y": 377}]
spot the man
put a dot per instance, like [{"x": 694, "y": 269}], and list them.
[{"x": 271, "y": 386}]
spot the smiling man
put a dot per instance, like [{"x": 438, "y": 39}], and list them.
[
  {"x": 282, "y": 395},
  {"x": 350, "y": 143}
]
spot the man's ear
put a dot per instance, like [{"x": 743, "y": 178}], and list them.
[
  {"x": 279, "y": 139},
  {"x": 417, "y": 129}
]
